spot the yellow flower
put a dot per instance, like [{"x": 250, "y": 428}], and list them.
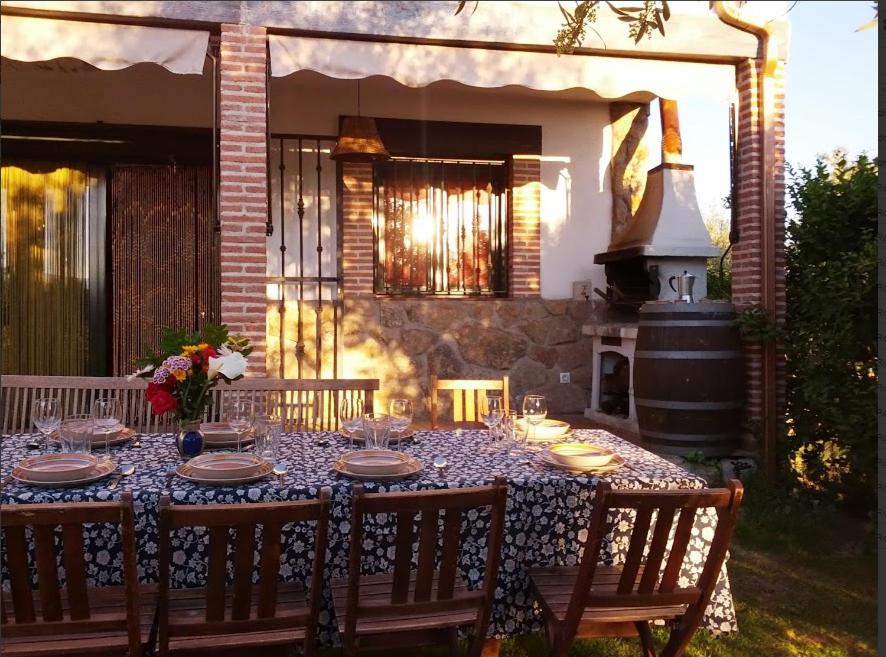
[
  {"x": 202, "y": 346},
  {"x": 189, "y": 350},
  {"x": 179, "y": 374}
]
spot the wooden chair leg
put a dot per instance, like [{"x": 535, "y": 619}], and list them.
[
  {"x": 645, "y": 638},
  {"x": 453, "y": 642}
]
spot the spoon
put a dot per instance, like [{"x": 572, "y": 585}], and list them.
[
  {"x": 440, "y": 463},
  {"x": 280, "y": 470},
  {"x": 126, "y": 469},
  {"x": 32, "y": 443},
  {"x": 323, "y": 442},
  {"x": 137, "y": 441}
]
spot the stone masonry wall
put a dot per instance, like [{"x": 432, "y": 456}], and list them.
[{"x": 405, "y": 341}]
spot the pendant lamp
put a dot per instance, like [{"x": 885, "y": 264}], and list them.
[{"x": 358, "y": 140}]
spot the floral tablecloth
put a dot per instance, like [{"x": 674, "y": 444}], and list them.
[{"x": 547, "y": 514}]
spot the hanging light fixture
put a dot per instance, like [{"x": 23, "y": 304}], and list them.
[{"x": 358, "y": 140}]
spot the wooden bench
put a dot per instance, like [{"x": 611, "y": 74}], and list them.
[{"x": 305, "y": 404}]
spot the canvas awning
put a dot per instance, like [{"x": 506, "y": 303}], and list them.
[
  {"x": 419, "y": 65},
  {"x": 103, "y": 45}
]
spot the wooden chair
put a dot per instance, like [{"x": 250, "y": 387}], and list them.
[
  {"x": 113, "y": 620},
  {"x": 467, "y": 398},
  {"x": 409, "y": 608},
  {"x": 596, "y": 600},
  {"x": 305, "y": 404},
  {"x": 220, "y": 616}
]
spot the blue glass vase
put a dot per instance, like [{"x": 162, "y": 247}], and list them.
[{"x": 189, "y": 440}]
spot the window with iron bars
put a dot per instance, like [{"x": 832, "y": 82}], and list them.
[{"x": 441, "y": 227}]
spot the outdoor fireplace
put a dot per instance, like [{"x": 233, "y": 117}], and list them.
[{"x": 666, "y": 238}]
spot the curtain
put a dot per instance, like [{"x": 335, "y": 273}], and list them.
[{"x": 50, "y": 273}]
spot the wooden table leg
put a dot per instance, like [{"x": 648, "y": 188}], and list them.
[{"x": 491, "y": 648}]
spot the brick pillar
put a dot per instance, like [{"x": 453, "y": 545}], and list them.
[
  {"x": 243, "y": 186},
  {"x": 747, "y": 254},
  {"x": 525, "y": 267},
  {"x": 357, "y": 238}
]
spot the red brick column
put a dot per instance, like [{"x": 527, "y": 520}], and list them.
[
  {"x": 747, "y": 254},
  {"x": 243, "y": 185},
  {"x": 357, "y": 247},
  {"x": 525, "y": 267}
]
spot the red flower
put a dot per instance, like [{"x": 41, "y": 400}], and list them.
[
  {"x": 160, "y": 398},
  {"x": 163, "y": 402}
]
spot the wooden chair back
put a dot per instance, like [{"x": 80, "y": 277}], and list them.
[
  {"x": 652, "y": 580},
  {"x": 433, "y": 590},
  {"x": 305, "y": 404},
  {"x": 69, "y": 610},
  {"x": 468, "y": 398},
  {"x": 244, "y": 615}
]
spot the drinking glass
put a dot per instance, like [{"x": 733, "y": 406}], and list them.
[
  {"x": 491, "y": 414},
  {"x": 535, "y": 409},
  {"x": 268, "y": 430},
  {"x": 350, "y": 414},
  {"x": 107, "y": 414},
  {"x": 239, "y": 415},
  {"x": 510, "y": 430},
  {"x": 47, "y": 416},
  {"x": 376, "y": 428},
  {"x": 401, "y": 418},
  {"x": 76, "y": 434}
]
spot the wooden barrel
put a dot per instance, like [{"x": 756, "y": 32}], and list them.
[{"x": 689, "y": 386}]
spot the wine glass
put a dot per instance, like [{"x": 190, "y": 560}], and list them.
[
  {"x": 350, "y": 414},
  {"x": 240, "y": 416},
  {"x": 535, "y": 409},
  {"x": 401, "y": 417},
  {"x": 107, "y": 414},
  {"x": 47, "y": 416},
  {"x": 491, "y": 414},
  {"x": 76, "y": 434},
  {"x": 376, "y": 428}
]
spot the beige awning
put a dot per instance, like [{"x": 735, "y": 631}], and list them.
[
  {"x": 103, "y": 45},
  {"x": 420, "y": 65}
]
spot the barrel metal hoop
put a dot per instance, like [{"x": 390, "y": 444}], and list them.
[
  {"x": 689, "y": 322},
  {"x": 688, "y": 405},
  {"x": 715, "y": 308},
  {"x": 687, "y": 437},
  {"x": 689, "y": 355}
]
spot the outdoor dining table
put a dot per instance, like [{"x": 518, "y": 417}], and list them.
[{"x": 548, "y": 512}]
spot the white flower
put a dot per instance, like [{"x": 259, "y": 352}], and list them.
[
  {"x": 230, "y": 365},
  {"x": 138, "y": 373}
]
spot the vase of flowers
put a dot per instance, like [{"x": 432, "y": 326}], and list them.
[{"x": 184, "y": 370}]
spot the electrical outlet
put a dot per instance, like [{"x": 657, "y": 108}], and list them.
[{"x": 565, "y": 377}]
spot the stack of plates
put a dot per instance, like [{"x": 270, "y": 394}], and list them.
[
  {"x": 377, "y": 465},
  {"x": 117, "y": 436},
  {"x": 547, "y": 430},
  {"x": 220, "y": 435},
  {"x": 359, "y": 437},
  {"x": 225, "y": 469},
  {"x": 582, "y": 457},
  {"x": 53, "y": 470}
]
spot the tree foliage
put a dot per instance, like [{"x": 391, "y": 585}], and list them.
[{"x": 831, "y": 337}]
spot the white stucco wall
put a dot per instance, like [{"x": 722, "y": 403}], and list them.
[{"x": 576, "y": 197}]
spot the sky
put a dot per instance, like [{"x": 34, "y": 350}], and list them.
[{"x": 830, "y": 98}]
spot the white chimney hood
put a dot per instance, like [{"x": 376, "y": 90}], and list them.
[{"x": 668, "y": 222}]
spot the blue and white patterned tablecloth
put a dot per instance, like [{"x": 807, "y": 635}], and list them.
[{"x": 547, "y": 514}]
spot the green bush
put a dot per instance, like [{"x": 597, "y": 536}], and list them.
[{"x": 831, "y": 337}]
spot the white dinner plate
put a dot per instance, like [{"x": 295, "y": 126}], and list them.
[
  {"x": 51, "y": 468},
  {"x": 411, "y": 467},
  {"x": 616, "y": 462},
  {"x": 225, "y": 465},
  {"x": 101, "y": 470},
  {"x": 186, "y": 472}
]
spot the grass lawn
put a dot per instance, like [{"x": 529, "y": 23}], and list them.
[{"x": 804, "y": 583}]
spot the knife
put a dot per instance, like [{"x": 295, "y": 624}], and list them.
[{"x": 114, "y": 481}]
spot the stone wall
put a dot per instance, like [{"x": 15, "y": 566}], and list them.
[{"x": 405, "y": 341}]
